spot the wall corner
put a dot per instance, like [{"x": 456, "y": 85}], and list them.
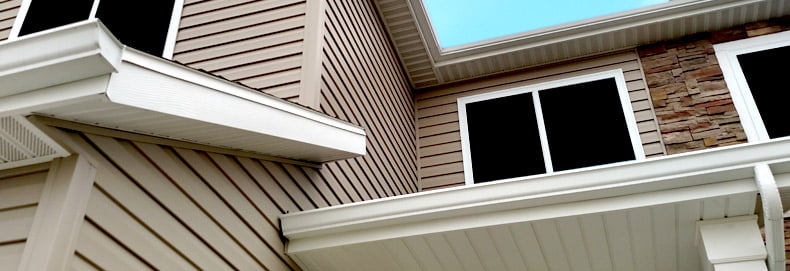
[{"x": 310, "y": 81}]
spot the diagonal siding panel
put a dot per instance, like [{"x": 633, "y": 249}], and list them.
[
  {"x": 194, "y": 209},
  {"x": 8, "y": 12},
  {"x": 363, "y": 83}
]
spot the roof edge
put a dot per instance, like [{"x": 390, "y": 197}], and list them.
[
  {"x": 63, "y": 71},
  {"x": 730, "y": 166}
]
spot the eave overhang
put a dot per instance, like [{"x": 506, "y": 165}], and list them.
[
  {"x": 427, "y": 64},
  {"x": 81, "y": 73},
  {"x": 641, "y": 199}
]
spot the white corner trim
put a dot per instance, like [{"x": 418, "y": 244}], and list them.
[
  {"x": 172, "y": 31},
  {"x": 59, "y": 215},
  {"x": 622, "y": 90},
  {"x": 312, "y": 52},
  {"x": 727, "y": 55}
]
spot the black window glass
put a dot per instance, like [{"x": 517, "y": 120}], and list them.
[
  {"x": 585, "y": 125},
  {"x": 765, "y": 73},
  {"x": 503, "y": 138},
  {"x": 140, "y": 24},
  {"x": 46, "y": 14}
]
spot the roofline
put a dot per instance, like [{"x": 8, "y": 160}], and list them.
[
  {"x": 702, "y": 174},
  {"x": 607, "y": 23},
  {"x": 428, "y": 65},
  {"x": 84, "y": 63}
]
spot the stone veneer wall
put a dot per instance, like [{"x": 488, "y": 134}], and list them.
[
  {"x": 787, "y": 242},
  {"x": 690, "y": 98}
]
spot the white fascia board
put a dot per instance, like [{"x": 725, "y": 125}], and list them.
[
  {"x": 214, "y": 83},
  {"x": 148, "y": 83},
  {"x": 701, "y": 168},
  {"x": 58, "y": 55},
  {"x": 552, "y": 207}
]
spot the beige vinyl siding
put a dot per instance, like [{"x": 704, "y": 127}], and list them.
[
  {"x": 159, "y": 207},
  {"x": 441, "y": 163},
  {"x": 8, "y": 12},
  {"x": 256, "y": 43},
  {"x": 361, "y": 82},
  {"x": 20, "y": 191}
]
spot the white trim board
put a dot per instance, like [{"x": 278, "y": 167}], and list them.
[
  {"x": 708, "y": 173},
  {"x": 102, "y": 83},
  {"x": 625, "y": 101},
  {"x": 727, "y": 55}
]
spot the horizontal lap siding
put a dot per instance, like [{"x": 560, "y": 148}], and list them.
[
  {"x": 256, "y": 43},
  {"x": 362, "y": 82},
  {"x": 438, "y": 127},
  {"x": 8, "y": 12},
  {"x": 20, "y": 191},
  {"x": 157, "y": 207}
]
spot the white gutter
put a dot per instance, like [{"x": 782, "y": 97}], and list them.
[
  {"x": 714, "y": 172},
  {"x": 80, "y": 72}
]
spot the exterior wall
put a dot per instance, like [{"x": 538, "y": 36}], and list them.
[
  {"x": 20, "y": 191},
  {"x": 159, "y": 207},
  {"x": 359, "y": 78},
  {"x": 362, "y": 82},
  {"x": 8, "y": 11},
  {"x": 438, "y": 125},
  {"x": 260, "y": 44},
  {"x": 691, "y": 99},
  {"x": 256, "y": 43}
]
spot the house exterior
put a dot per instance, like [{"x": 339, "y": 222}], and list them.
[{"x": 338, "y": 135}]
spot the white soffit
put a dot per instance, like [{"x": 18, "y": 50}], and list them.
[
  {"x": 654, "y": 204},
  {"x": 81, "y": 73},
  {"x": 429, "y": 65}
]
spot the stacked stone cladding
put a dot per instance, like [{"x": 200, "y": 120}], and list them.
[
  {"x": 787, "y": 242},
  {"x": 691, "y": 100}
]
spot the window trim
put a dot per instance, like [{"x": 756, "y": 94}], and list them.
[
  {"x": 727, "y": 54},
  {"x": 170, "y": 40},
  {"x": 625, "y": 101}
]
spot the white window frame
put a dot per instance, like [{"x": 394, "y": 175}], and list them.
[
  {"x": 625, "y": 101},
  {"x": 172, "y": 31},
  {"x": 727, "y": 54}
]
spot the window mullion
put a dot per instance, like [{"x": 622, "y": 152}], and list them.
[
  {"x": 544, "y": 140},
  {"x": 94, "y": 8}
]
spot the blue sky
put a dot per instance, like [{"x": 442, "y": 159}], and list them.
[{"x": 458, "y": 22}]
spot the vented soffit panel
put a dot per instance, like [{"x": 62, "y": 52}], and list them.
[
  {"x": 81, "y": 73},
  {"x": 428, "y": 65}
]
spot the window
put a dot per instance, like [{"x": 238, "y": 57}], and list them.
[
  {"x": 755, "y": 70},
  {"x": 560, "y": 125},
  {"x": 146, "y": 25}
]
